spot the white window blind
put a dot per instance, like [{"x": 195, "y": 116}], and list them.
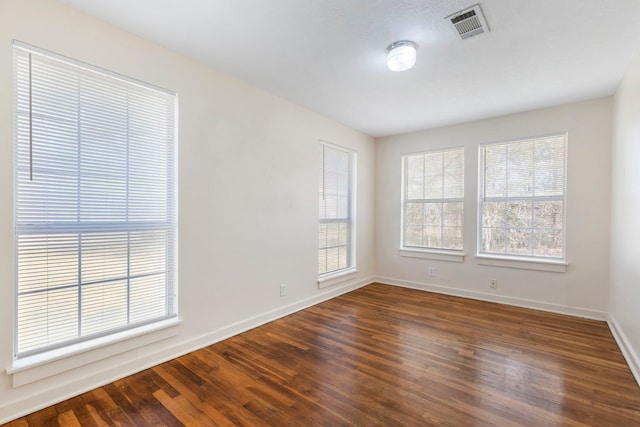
[
  {"x": 433, "y": 199},
  {"x": 522, "y": 197},
  {"x": 95, "y": 202},
  {"x": 335, "y": 233}
]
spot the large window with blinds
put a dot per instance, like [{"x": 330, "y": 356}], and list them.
[
  {"x": 95, "y": 202},
  {"x": 336, "y": 196},
  {"x": 433, "y": 200},
  {"x": 522, "y": 198}
]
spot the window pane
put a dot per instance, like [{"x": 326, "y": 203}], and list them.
[
  {"x": 452, "y": 237},
  {"x": 414, "y": 214},
  {"x": 342, "y": 257},
  {"x": 519, "y": 241},
  {"x": 342, "y": 209},
  {"x": 432, "y": 237},
  {"x": 519, "y": 169},
  {"x": 148, "y": 253},
  {"x": 433, "y": 171},
  {"x": 322, "y": 261},
  {"x": 148, "y": 297},
  {"x": 433, "y": 214},
  {"x": 452, "y": 214},
  {"x": 104, "y": 257},
  {"x": 47, "y": 261},
  {"x": 344, "y": 233},
  {"x": 48, "y": 317},
  {"x": 548, "y": 243},
  {"x": 495, "y": 170},
  {"x": 494, "y": 214},
  {"x": 333, "y": 256},
  {"x": 494, "y": 240},
  {"x": 333, "y": 234},
  {"x": 454, "y": 174},
  {"x": 104, "y": 307},
  {"x": 415, "y": 177},
  {"x": 519, "y": 214},
  {"x": 413, "y": 236},
  {"x": 322, "y": 235},
  {"x": 549, "y": 167},
  {"x": 548, "y": 214}
]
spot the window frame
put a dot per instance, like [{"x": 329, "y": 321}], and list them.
[
  {"x": 341, "y": 274},
  {"x": 436, "y": 253},
  {"x": 61, "y": 347},
  {"x": 530, "y": 262}
]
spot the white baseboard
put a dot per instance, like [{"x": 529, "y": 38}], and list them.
[
  {"x": 632, "y": 358},
  {"x": 482, "y": 296},
  {"x": 43, "y": 398}
]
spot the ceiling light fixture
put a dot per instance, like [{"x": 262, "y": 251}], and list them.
[{"x": 401, "y": 55}]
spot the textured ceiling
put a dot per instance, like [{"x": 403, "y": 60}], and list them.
[{"x": 329, "y": 55}]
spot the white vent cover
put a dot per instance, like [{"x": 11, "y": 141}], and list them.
[{"x": 469, "y": 22}]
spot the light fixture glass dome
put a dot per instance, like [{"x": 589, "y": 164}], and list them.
[{"x": 401, "y": 55}]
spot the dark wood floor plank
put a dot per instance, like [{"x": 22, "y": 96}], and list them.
[
  {"x": 114, "y": 391},
  {"x": 183, "y": 409},
  {"x": 153, "y": 412},
  {"x": 217, "y": 403},
  {"x": 381, "y": 356}
]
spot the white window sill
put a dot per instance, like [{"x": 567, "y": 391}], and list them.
[
  {"x": 439, "y": 255},
  {"x": 332, "y": 279},
  {"x": 33, "y": 368},
  {"x": 523, "y": 263}
]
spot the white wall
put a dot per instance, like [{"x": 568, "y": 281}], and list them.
[
  {"x": 583, "y": 288},
  {"x": 248, "y": 201},
  {"x": 625, "y": 218}
]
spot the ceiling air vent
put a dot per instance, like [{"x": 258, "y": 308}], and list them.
[{"x": 469, "y": 22}]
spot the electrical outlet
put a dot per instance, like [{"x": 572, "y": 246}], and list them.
[
  {"x": 493, "y": 284},
  {"x": 431, "y": 272},
  {"x": 283, "y": 289}
]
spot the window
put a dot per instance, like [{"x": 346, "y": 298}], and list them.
[
  {"x": 433, "y": 200},
  {"x": 522, "y": 198},
  {"x": 336, "y": 227},
  {"x": 95, "y": 202}
]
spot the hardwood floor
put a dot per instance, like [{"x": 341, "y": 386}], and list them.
[{"x": 381, "y": 356}]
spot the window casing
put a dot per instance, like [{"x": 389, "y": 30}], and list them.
[
  {"x": 94, "y": 204},
  {"x": 523, "y": 199},
  {"x": 336, "y": 199},
  {"x": 433, "y": 200}
]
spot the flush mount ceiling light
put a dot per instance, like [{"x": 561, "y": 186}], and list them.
[{"x": 401, "y": 55}]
